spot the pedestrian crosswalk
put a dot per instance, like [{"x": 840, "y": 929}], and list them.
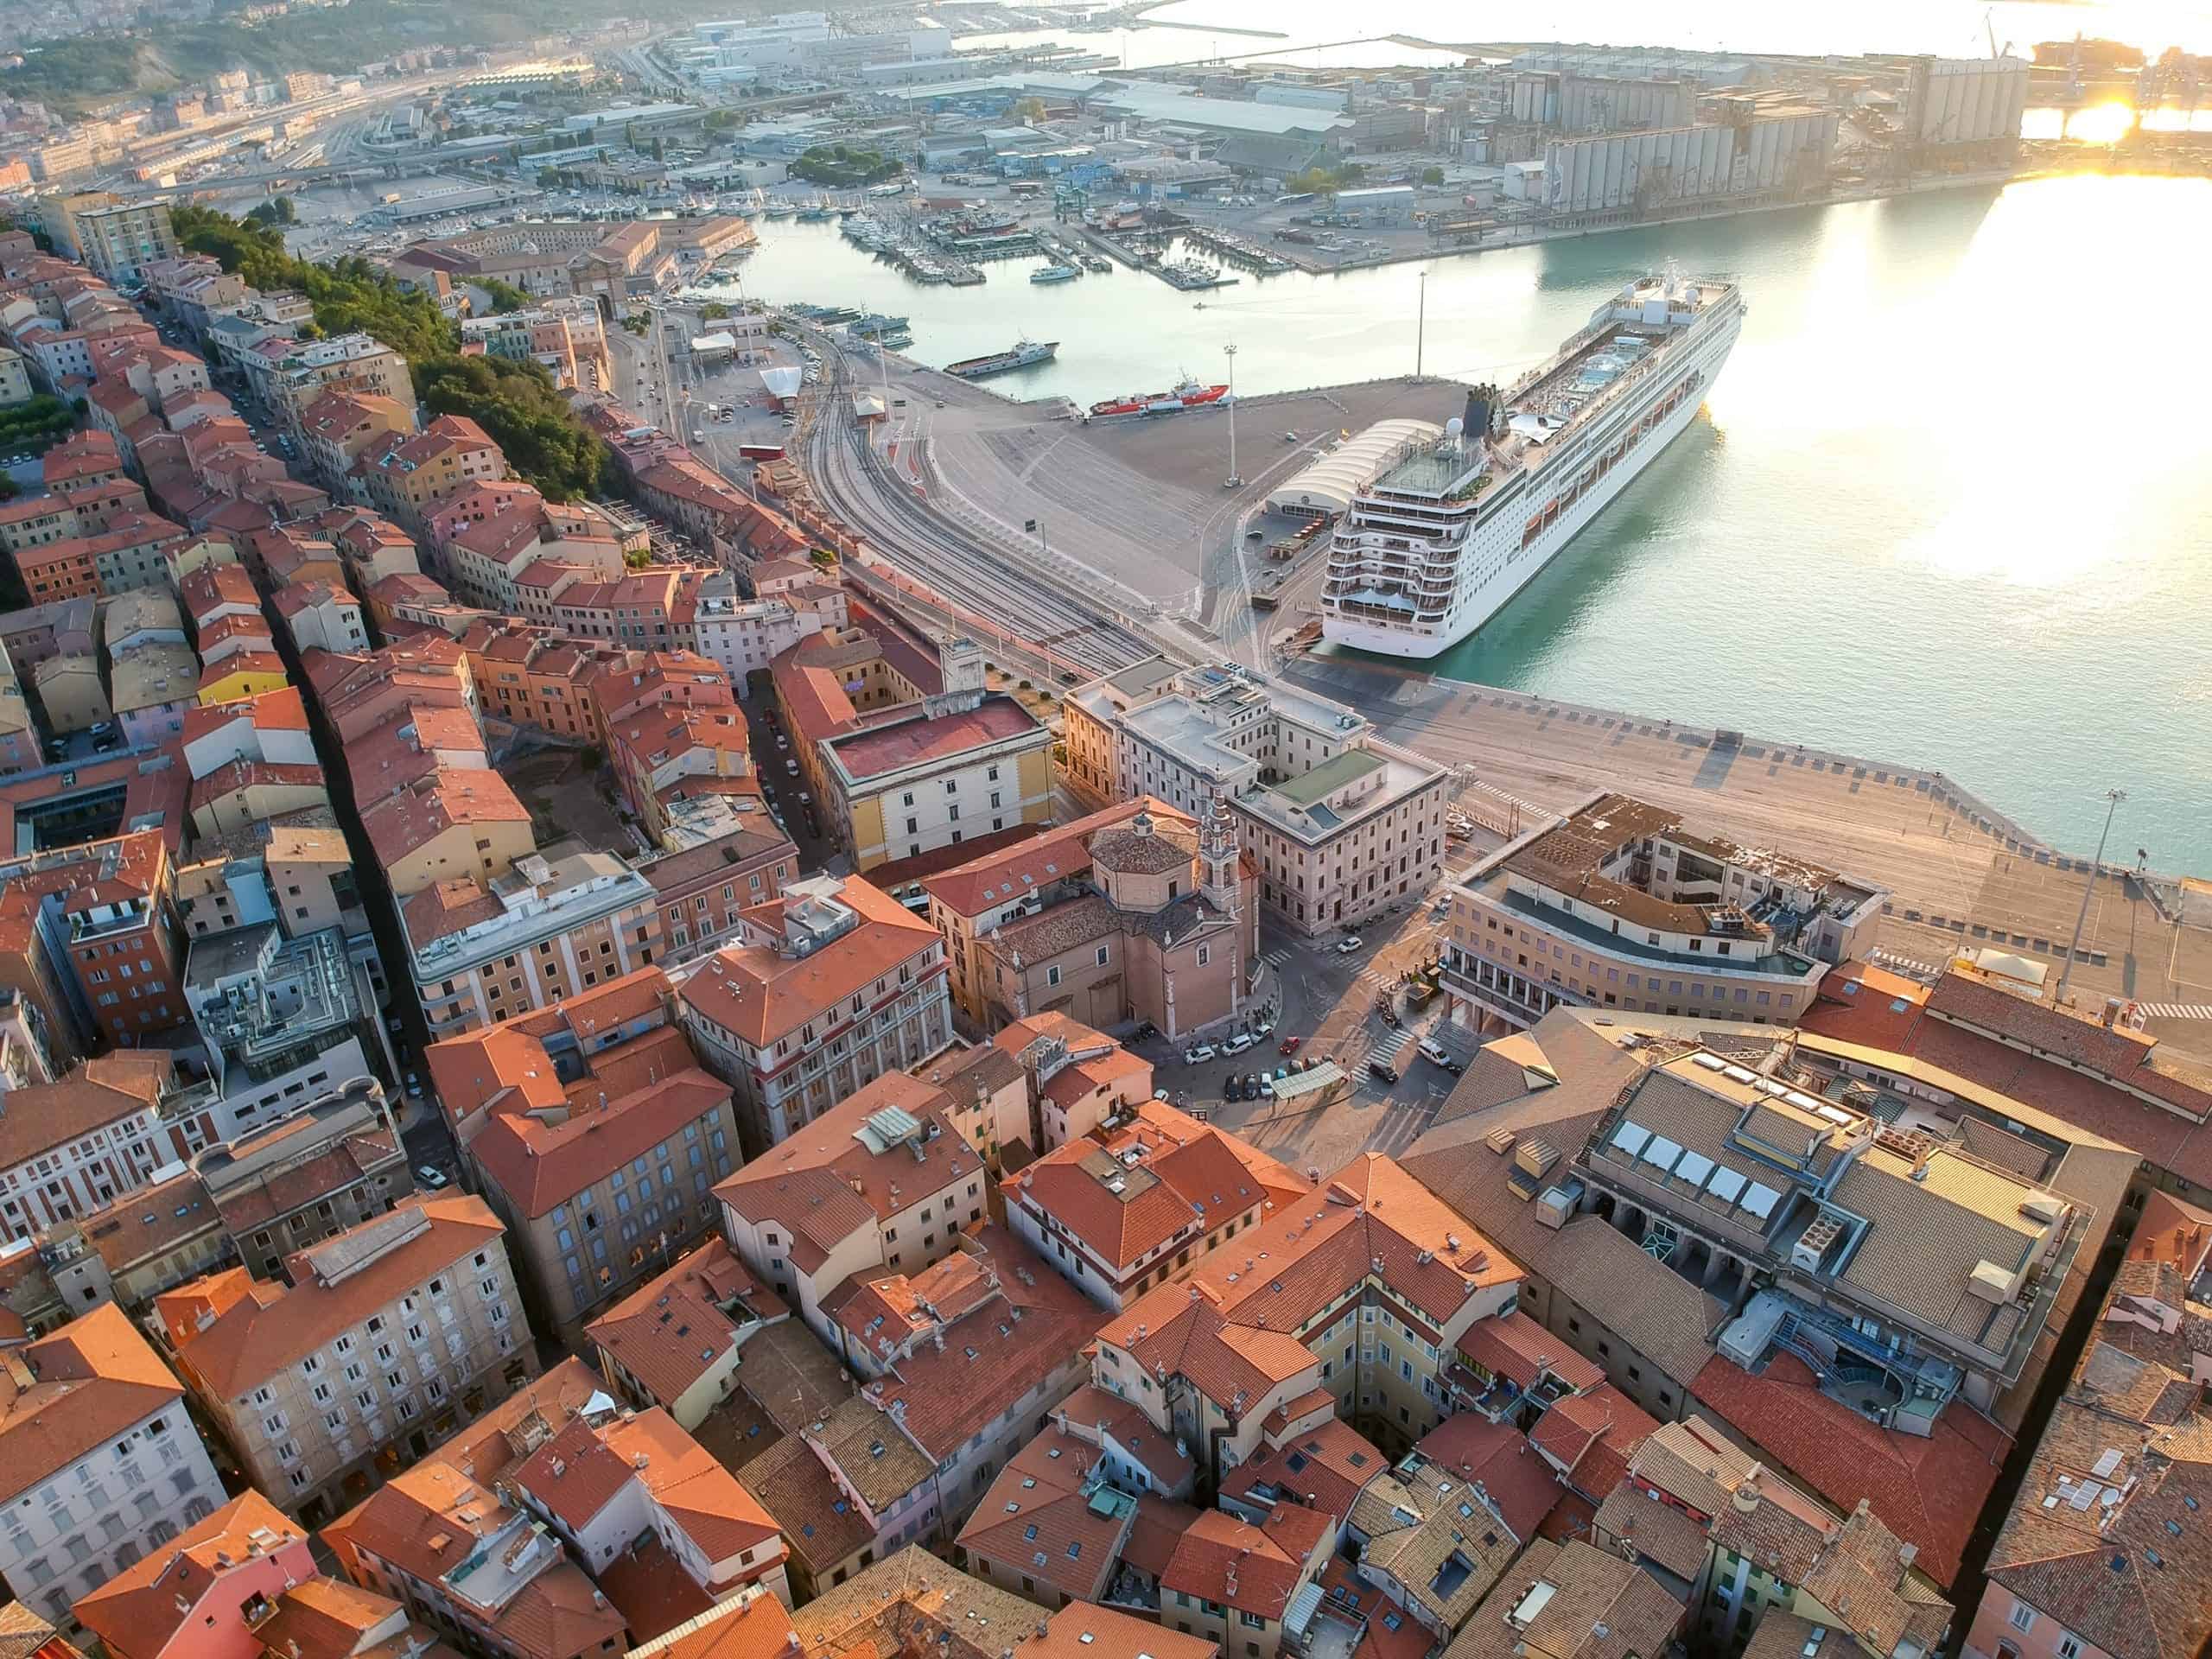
[
  {"x": 2176, "y": 1010},
  {"x": 1275, "y": 958}
]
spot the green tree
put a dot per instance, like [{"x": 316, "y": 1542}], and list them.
[
  {"x": 713, "y": 311},
  {"x": 504, "y": 297},
  {"x": 1030, "y": 109},
  {"x": 1432, "y": 175},
  {"x": 516, "y": 404},
  {"x": 519, "y": 407}
]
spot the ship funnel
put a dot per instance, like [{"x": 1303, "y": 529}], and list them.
[{"x": 1481, "y": 404}]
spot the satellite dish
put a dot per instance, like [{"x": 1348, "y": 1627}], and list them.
[{"x": 1453, "y": 426}]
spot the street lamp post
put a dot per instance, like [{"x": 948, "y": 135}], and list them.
[
  {"x": 2112, "y": 798},
  {"x": 1233, "y": 479}
]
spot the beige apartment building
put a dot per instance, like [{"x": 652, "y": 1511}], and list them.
[
  {"x": 555, "y": 925},
  {"x": 881, "y": 1184},
  {"x": 596, "y": 1137},
  {"x": 1121, "y": 1210},
  {"x": 457, "y": 823},
  {"x": 1341, "y": 824},
  {"x": 388, "y": 1337},
  {"x": 826, "y": 987},
  {"x": 1617, "y": 905},
  {"x": 1367, "y": 1298},
  {"x": 115, "y": 239},
  {"x": 906, "y": 754}
]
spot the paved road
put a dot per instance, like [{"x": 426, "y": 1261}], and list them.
[{"x": 1328, "y": 1000}]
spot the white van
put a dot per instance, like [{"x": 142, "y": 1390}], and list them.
[{"x": 1436, "y": 1054}]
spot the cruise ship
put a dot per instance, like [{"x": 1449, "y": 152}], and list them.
[{"x": 1450, "y": 528}]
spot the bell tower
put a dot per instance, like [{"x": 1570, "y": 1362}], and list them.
[{"x": 1217, "y": 856}]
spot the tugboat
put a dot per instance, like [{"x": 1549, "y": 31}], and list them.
[{"x": 1189, "y": 394}]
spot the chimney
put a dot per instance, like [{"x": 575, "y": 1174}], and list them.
[{"x": 1907, "y": 1554}]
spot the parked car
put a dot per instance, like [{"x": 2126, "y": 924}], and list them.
[
  {"x": 1199, "y": 1052},
  {"x": 1436, "y": 1054},
  {"x": 1267, "y": 1087},
  {"x": 431, "y": 1176},
  {"x": 1349, "y": 943},
  {"x": 1289, "y": 1046},
  {"x": 1239, "y": 1043}
]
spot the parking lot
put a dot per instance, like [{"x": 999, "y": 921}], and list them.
[{"x": 1328, "y": 999}]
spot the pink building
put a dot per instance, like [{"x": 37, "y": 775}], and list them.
[{"x": 202, "y": 1593}]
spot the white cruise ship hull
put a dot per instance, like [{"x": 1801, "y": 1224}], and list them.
[{"x": 1494, "y": 546}]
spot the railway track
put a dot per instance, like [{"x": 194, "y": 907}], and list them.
[{"x": 1068, "y": 636}]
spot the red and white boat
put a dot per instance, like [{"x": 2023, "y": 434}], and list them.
[{"x": 1189, "y": 395}]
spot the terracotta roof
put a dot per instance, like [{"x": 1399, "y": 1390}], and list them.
[
  {"x": 701, "y": 1499},
  {"x": 412, "y": 819},
  {"x": 671, "y": 1330},
  {"x": 1521, "y": 1486},
  {"x": 907, "y": 1603},
  {"x": 328, "y": 1619},
  {"x": 2005, "y": 1044},
  {"x": 24, "y": 1635},
  {"x": 752, "y": 1624},
  {"x": 762, "y": 995},
  {"x": 2128, "y": 1576},
  {"x": 1863, "y": 1577},
  {"x": 1783, "y": 1635},
  {"x": 1081, "y": 1631},
  {"x": 539, "y": 1165},
  {"x": 1657, "y": 1531},
  {"x": 96, "y": 1376},
  {"x": 1039, "y": 1518},
  {"x": 836, "y": 1175},
  {"x": 1222, "y": 1559},
  {"x": 1929, "y": 1489},
  {"x": 1323, "y": 1468},
  {"x": 820, "y": 1523},
  {"x": 1160, "y": 1524},
  {"x": 921, "y": 740},
  {"x": 1090, "y": 1410},
  {"x": 261, "y": 1328},
  {"x": 1591, "y": 1593},
  {"x": 1223, "y": 1329},
  {"x": 139, "y": 1610},
  {"x": 1128, "y": 1192},
  {"x": 1592, "y": 1437},
  {"x": 426, "y": 1522},
  {"x": 95, "y": 1092},
  {"x": 991, "y": 1359},
  {"x": 1519, "y": 1350},
  {"x": 1186, "y": 1334}
]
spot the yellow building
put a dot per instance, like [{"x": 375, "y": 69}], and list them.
[{"x": 242, "y": 674}]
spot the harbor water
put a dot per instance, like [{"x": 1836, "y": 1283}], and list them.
[
  {"x": 1288, "y": 31},
  {"x": 1950, "y": 505}
]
